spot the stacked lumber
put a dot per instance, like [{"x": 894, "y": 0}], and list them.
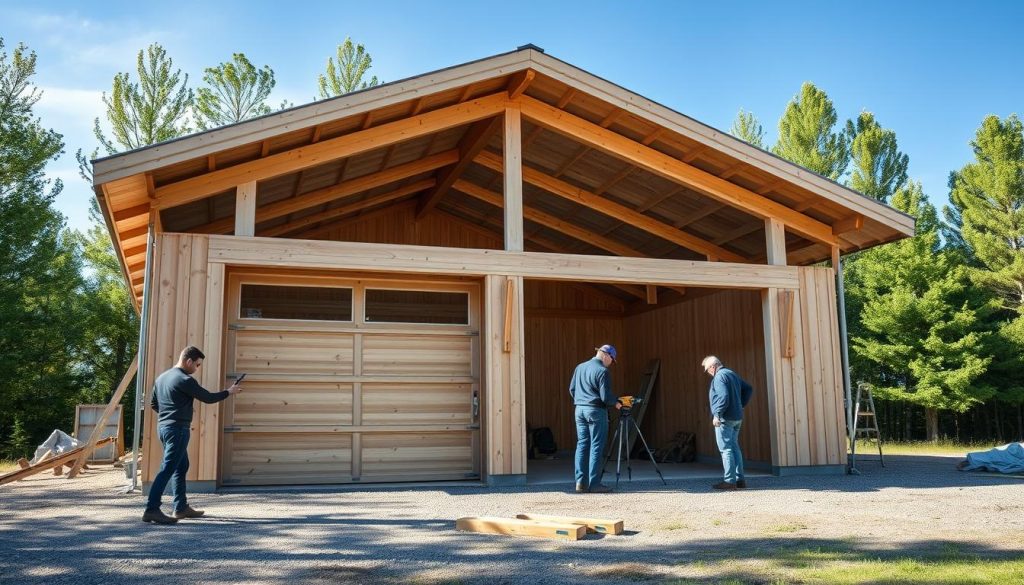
[{"x": 558, "y": 527}]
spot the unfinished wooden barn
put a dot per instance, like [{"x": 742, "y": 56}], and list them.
[{"x": 409, "y": 274}]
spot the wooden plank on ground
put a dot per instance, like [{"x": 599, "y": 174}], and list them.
[
  {"x": 58, "y": 461},
  {"x": 518, "y": 527},
  {"x": 593, "y": 525}
]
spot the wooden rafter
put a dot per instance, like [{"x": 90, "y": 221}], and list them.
[
  {"x": 475, "y": 139},
  {"x": 336, "y": 212},
  {"x": 848, "y": 224},
  {"x": 608, "y": 207},
  {"x": 674, "y": 169},
  {"x": 520, "y": 82},
  {"x": 341, "y": 147},
  {"x": 339, "y": 191}
]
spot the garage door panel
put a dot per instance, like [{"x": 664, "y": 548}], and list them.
[
  {"x": 421, "y": 355},
  {"x": 417, "y": 404},
  {"x": 293, "y": 403},
  {"x": 417, "y": 455},
  {"x": 259, "y": 458},
  {"x": 294, "y": 352}
]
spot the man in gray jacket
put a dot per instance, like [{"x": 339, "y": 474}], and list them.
[
  {"x": 728, "y": 395},
  {"x": 591, "y": 392}
]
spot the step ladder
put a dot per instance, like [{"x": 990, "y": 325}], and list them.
[{"x": 865, "y": 424}]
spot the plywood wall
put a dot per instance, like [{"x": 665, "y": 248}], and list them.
[
  {"x": 727, "y": 324},
  {"x": 398, "y": 225},
  {"x": 186, "y": 308}
]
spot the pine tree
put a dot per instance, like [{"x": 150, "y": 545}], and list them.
[
  {"x": 879, "y": 168},
  {"x": 922, "y": 324},
  {"x": 234, "y": 91},
  {"x": 988, "y": 204},
  {"x": 149, "y": 111},
  {"x": 806, "y": 135},
  {"x": 347, "y": 75},
  {"x": 747, "y": 128}
]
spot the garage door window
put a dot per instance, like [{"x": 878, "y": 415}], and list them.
[
  {"x": 417, "y": 306},
  {"x": 308, "y": 303}
]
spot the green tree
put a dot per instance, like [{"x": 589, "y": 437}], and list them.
[
  {"x": 152, "y": 110},
  {"x": 879, "y": 168},
  {"x": 347, "y": 75},
  {"x": 39, "y": 268},
  {"x": 987, "y": 199},
  {"x": 923, "y": 325},
  {"x": 807, "y": 136},
  {"x": 747, "y": 128},
  {"x": 234, "y": 91}
]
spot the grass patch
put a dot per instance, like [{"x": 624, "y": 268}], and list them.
[
  {"x": 675, "y": 526},
  {"x": 943, "y": 447},
  {"x": 787, "y": 528},
  {"x": 8, "y": 465},
  {"x": 627, "y": 571}
]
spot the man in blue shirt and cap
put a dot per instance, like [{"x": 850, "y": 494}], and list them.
[
  {"x": 591, "y": 391},
  {"x": 728, "y": 395}
]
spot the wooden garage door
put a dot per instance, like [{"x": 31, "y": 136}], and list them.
[{"x": 351, "y": 381}]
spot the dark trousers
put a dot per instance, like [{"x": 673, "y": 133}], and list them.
[{"x": 175, "y": 466}]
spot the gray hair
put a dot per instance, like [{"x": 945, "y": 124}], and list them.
[{"x": 711, "y": 361}]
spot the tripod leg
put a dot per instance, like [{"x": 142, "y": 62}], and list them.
[
  {"x": 629, "y": 465},
  {"x": 651, "y": 455},
  {"x": 618, "y": 456}
]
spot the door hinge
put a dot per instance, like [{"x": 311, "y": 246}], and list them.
[{"x": 232, "y": 429}]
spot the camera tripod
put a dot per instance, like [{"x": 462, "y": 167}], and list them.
[{"x": 625, "y": 423}]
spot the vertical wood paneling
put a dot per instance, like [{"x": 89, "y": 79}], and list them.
[
  {"x": 505, "y": 398},
  {"x": 213, "y": 376}
]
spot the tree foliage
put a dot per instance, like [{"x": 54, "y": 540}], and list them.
[
  {"x": 987, "y": 196},
  {"x": 747, "y": 128},
  {"x": 234, "y": 91},
  {"x": 879, "y": 168},
  {"x": 347, "y": 74},
  {"x": 807, "y": 134}
]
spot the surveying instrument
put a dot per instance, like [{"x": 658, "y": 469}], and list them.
[{"x": 626, "y": 422}]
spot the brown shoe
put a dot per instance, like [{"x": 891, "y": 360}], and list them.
[
  {"x": 581, "y": 489},
  {"x": 741, "y": 483},
  {"x": 600, "y": 489},
  {"x": 158, "y": 517},
  {"x": 724, "y": 485},
  {"x": 188, "y": 512}
]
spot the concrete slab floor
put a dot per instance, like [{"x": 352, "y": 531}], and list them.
[{"x": 560, "y": 471}]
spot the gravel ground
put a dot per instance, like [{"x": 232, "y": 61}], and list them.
[{"x": 53, "y": 530}]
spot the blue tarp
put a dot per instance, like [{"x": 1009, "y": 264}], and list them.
[{"x": 1005, "y": 459}]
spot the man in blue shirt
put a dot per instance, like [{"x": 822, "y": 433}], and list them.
[
  {"x": 728, "y": 395},
  {"x": 172, "y": 397},
  {"x": 591, "y": 392}
]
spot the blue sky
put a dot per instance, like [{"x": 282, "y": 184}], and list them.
[{"x": 929, "y": 70}]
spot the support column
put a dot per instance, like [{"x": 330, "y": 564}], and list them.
[
  {"x": 513, "y": 171},
  {"x": 775, "y": 244},
  {"x": 245, "y": 209},
  {"x": 504, "y": 411}
]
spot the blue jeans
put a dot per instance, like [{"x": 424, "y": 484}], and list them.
[
  {"x": 591, "y": 435},
  {"x": 728, "y": 436},
  {"x": 175, "y": 465}
]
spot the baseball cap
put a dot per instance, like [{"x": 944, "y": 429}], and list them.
[{"x": 608, "y": 349}]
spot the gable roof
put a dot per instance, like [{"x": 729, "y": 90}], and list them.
[{"x": 585, "y": 139}]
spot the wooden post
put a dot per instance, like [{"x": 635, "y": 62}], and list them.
[
  {"x": 513, "y": 172},
  {"x": 775, "y": 245},
  {"x": 775, "y": 241},
  {"x": 504, "y": 420},
  {"x": 245, "y": 209},
  {"x": 94, "y": 437}
]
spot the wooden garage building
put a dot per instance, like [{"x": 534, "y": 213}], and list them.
[{"x": 409, "y": 273}]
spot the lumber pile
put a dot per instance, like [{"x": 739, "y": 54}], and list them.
[
  {"x": 50, "y": 461},
  {"x": 558, "y": 527}
]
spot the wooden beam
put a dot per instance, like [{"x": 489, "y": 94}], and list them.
[
  {"x": 62, "y": 459},
  {"x": 115, "y": 401},
  {"x": 512, "y": 154},
  {"x": 848, "y": 224},
  {"x": 339, "y": 191},
  {"x": 615, "y": 210},
  {"x": 475, "y": 139},
  {"x": 674, "y": 169},
  {"x": 245, "y": 209},
  {"x": 506, "y": 330},
  {"x": 311, "y": 155},
  {"x": 517, "y": 527},
  {"x": 786, "y": 321},
  {"x": 309, "y": 220},
  {"x": 775, "y": 242},
  {"x": 652, "y": 295},
  {"x": 520, "y": 82},
  {"x": 594, "y": 525},
  {"x": 274, "y": 252},
  {"x": 131, "y": 212}
]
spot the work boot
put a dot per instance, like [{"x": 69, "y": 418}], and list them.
[
  {"x": 158, "y": 517},
  {"x": 600, "y": 489},
  {"x": 724, "y": 485},
  {"x": 741, "y": 483},
  {"x": 188, "y": 512},
  {"x": 581, "y": 489}
]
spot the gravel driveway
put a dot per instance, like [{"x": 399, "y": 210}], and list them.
[{"x": 53, "y": 530}]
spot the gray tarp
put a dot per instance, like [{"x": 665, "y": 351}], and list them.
[
  {"x": 58, "y": 442},
  {"x": 1005, "y": 459}
]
